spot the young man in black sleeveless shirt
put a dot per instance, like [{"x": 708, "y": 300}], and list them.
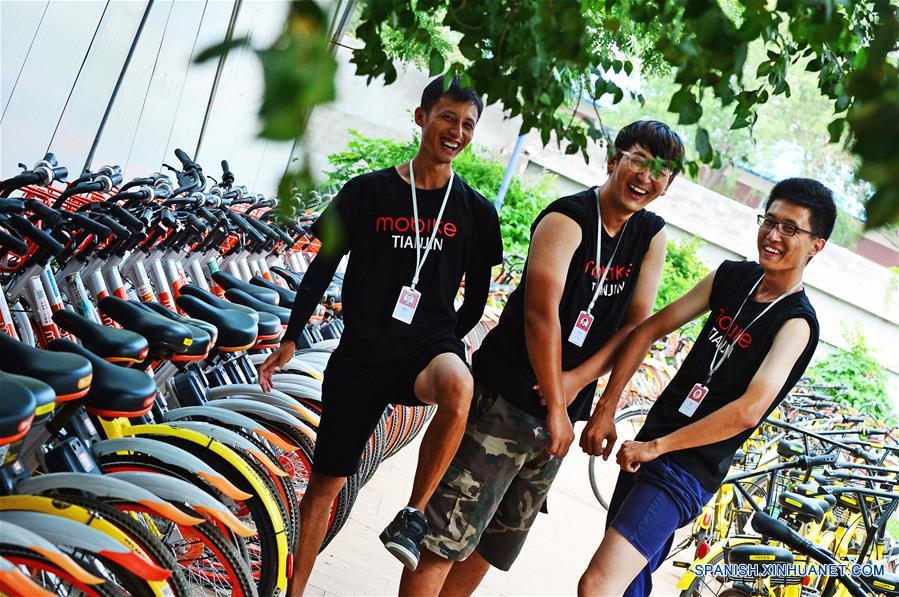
[
  {"x": 412, "y": 231},
  {"x": 757, "y": 342},
  {"x": 592, "y": 274}
]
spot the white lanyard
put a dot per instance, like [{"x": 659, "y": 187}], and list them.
[
  {"x": 419, "y": 259},
  {"x": 605, "y": 272},
  {"x": 716, "y": 364}
]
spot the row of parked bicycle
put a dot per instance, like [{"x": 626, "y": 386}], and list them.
[{"x": 137, "y": 454}]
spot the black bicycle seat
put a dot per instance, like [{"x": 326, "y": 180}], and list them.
[
  {"x": 227, "y": 281},
  {"x": 44, "y": 396},
  {"x": 805, "y": 508},
  {"x": 237, "y": 330},
  {"x": 164, "y": 335},
  {"x": 236, "y": 295},
  {"x": 756, "y": 554},
  {"x": 286, "y": 296},
  {"x": 113, "y": 344},
  {"x": 293, "y": 279},
  {"x": 200, "y": 330},
  {"x": 269, "y": 324},
  {"x": 16, "y": 409},
  {"x": 115, "y": 391},
  {"x": 68, "y": 374},
  {"x": 886, "y": 584}
]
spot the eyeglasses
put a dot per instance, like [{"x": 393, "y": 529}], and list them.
[
  {"x": 784, "y": 228},
  {"x": 637, "y": 163}
]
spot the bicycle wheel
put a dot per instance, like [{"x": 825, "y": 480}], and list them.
[
  {"x": 149, "y": 544},
  {"x": 603, "y": 474},
  {"x": 707, "y": 585},
  {"x": 53, "y": 578}
]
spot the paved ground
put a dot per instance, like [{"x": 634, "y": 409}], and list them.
[{"x": 558, "y": 548}]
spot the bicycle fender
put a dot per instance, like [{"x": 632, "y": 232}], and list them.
[
  {"x": 102, "y": 486},
  {"x": 63, "y": 531},
  {"x": 14, "y": 534},
  {"x": 229, "y": 438},
  {"x": 275, "y": 398},
  {"x": 267, "y": 412},
  {"x": 172, "y": 455},
  {"x": 16, "y": 582},
  {"x": 179, "y": 490},
  {"x": 232, "y": 418}
]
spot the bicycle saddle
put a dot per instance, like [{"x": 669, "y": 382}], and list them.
[
  {"x": 165, "y": 336},
  {"x": 227, "y": 281},
  {"x": 754, "y": 554},
  {"x": 886, "y": 584},
  {"x": 44, "y": 396},
  {"x": 286, "y": 297},
  {"x": 269, "y": 324},
  {"x": 113, "y": 344},
  {"x": 237, "y": 329},
  {"x": 200, "y": 330},
  {"x": 68, "y": 374},
  {"x": 115, "y": 391},
  {"x": 16, "y": 409},
  {"x": 805, "y": 508},
  {"x": 235, "y": 295},
  {"x": 293, "y": 279}
]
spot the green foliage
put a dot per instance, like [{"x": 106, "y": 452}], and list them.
[
  {"x": 522, "y": 203},
  {"x": 863, "y": 376},
  {"x": 682, "y": 271},
  {"x": 533, "y": 55}
]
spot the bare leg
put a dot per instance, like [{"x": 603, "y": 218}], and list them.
[
  {"x": 447, "y": 383},
  {"x": 465, "y": 576},
  {"x": 614, "y": 565},
  {"x": 428, "y": 577},
  {"x": 315, "y": 509}
]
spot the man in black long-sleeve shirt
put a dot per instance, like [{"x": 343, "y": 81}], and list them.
[{"x": 412, "y": 232}]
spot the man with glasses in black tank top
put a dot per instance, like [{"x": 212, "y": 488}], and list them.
[
  {"x": 592, "y": 273},
  {"x": 756, "y": 344},
  {"x": 412, "y": 231}
]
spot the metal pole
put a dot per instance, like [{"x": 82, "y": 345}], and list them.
[
  {"x": 510, "y": 169},
  {"x": 229, "y": 35},
  {"x": 118, "y": 84}
]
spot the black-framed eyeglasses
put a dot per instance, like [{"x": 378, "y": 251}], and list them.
[
  {"x": 638, "y": 163},
  {"x": 785, "y": 228}
]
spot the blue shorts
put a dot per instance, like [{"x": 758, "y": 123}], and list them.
[{"x": 648, "y": 506}]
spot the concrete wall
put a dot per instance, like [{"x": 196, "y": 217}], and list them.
[{"x": 848, "y": 291}]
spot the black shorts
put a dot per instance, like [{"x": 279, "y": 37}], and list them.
[{"x": 352, "y": 405}]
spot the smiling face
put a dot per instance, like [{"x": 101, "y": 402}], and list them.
[
  {"x": 447, "y": 128},
  {"x": 779, "y": 252},
  {"x": 634, "y": 187}
]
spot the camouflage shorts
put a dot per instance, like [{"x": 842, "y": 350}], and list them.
[{"x": 494, "y": 487}]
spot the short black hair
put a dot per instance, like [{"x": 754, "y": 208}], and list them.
[
  {"x": 655, "y": 136},
  {"x": 810, "y": 193},
  {"x": 434, "y": 91}
]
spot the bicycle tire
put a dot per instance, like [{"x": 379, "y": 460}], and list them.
[
  {"x": 34, "y": 561},
  {"x": 253, "y": 509},
  {"x": 265, "y": 583},
  {"x": 593, "y": 463},
  {"x": 154, "y": 549},
  {"x": 694, "y": 589}
]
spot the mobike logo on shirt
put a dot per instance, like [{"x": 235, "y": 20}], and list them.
[
  {"x": 402, "y": 231},
  {"x": 615, "y": 280},
  {"x": 721, "y": 336}
]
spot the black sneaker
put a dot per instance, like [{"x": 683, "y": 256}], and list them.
[{"x": 404, "y": 535}]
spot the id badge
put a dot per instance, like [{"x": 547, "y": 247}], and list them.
[
  {"x": 693, "y": 400},
  {"x": 406, "y": 305},
  {"x": 580, "y": 329}
]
